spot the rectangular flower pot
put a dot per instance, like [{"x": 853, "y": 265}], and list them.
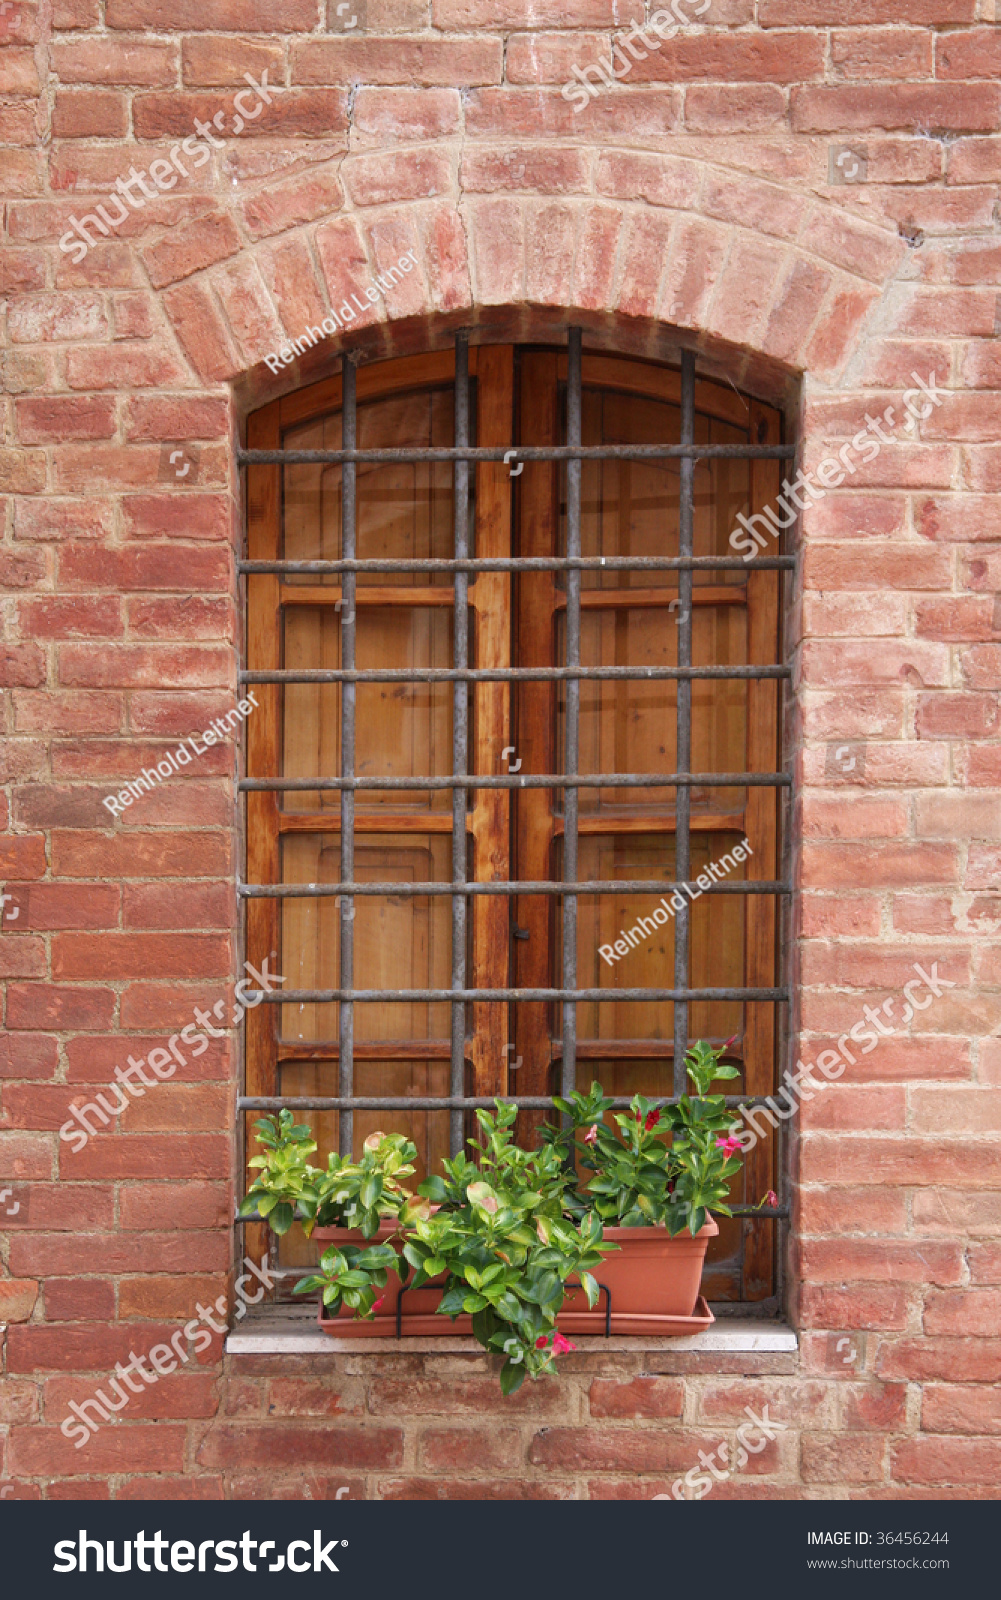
[
  {"x": 649, "y": 1284},
  {"x": 418, "y": 1317}
]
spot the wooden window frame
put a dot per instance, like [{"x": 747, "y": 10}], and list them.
[{"x": 480, "y": 1043}]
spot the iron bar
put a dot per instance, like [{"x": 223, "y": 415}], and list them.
[
  {"x": 464, "y": 675},
  {"x": 369, "y": 996},
  {"x": 571, "y": 714},
  {"x": 363, "y": 1102},
  {"x": 460, "y": 734},
  {"x": 522, "y": 564},
  {"x": 631, "y": 780},
  {"x": 534, "y": 452},
  {"x": 319, "y": 891},
  {"x": 345, "y": 1053},
  {"x": 682, "y": 836}
]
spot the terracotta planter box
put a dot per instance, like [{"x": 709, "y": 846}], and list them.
[
  {"x": 649, "y": 1285},
  {"x": 419, "y": 1314}
]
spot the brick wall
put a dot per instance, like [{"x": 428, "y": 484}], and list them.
[{"x": 697, "y": 195}]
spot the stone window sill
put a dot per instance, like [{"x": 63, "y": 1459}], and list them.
[{"x": 292, "y": 1331}]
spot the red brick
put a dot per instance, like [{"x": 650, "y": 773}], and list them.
[
  {"x": 134, "y": 955},
  {"x": 973, "y": 108},
  {"x": 64, "y": 417},
  {"x": 972, "y": 1313},
  {"x": 155, "y": 855},
  {"x": 861, "y": 1308},
  {"x": 191, "y": 1205},
  {"x": 641, "y": 1397},
  {"x": 449, "y": 62},
  {"x": 848, "y": 1459},
  {"x": 474, "y": 1450},
  {"x": 146, "y": 1156},
  {"x": 270, "y": 16},
  {"x": 79, "y": 1300},
  {"x": 78, "y": 617},
  {"x": 218, "y": 60},
  {"x": 21, "y": 666},
  {"x": 89, "y": 114},
  {"x": 28, "y": 1055},
  {"x": 34, "y": 1005},
  {"x": 617, "y": 1449},
  {"x": 129, "y": 1447},
  {"x": 885, "y": 1260},
  {"x": 937, "y": 1460},
  {"x": 369, "y": 1446}
]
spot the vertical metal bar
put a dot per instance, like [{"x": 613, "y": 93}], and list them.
[
  {"x": 683, "y": 857},
  {"x": 460, "y": 740},
  {"x": 345, "y": 1049},
  {"x": 571, "y": 760}
]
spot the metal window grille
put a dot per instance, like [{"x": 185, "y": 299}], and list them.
[{"x": 460, "y": 782}]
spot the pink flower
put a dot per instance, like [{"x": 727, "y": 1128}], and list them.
[
  {"x": 541, "y": 1342},
  {"x": 729, "y": 1042},
  {"x": 561, "y": 1345},
  {"x": 591, "y": 1135},
  {"x": 377, "y": 1303},
  {"x": 728, "y": 1145},
  {"x": 771, "y": 1198}
]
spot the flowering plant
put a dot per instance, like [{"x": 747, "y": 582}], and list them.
[
  {"x": 638, "y": 1178},
  {"x": 349, "y": 1194},
  {"x": 506, "y": 1247}
]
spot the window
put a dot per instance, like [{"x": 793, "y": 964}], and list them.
[{"x": 571, "y": 637}]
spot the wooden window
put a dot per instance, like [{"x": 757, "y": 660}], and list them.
[{"x": 398, "y": 1047}]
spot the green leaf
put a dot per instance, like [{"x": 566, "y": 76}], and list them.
[
  {"x": 590, "y": 1288},
  {"x": 512, "y": 1376},
  {"x": 282, "y": 1217}
]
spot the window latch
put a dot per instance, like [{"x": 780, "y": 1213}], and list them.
[{"x": 522, "y": 933}]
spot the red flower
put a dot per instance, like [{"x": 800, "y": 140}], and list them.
[
  {"x": 561, "y": 1345},
  {"x": 771, "y": 1198},
  {"x": 377, "y": 1303},
  {"x": 728, "y": 1146},
  {"x": 541, "y": 1342},
  {"x": 591, "y": 1135},
  {"x": 652, "y": 1119}
]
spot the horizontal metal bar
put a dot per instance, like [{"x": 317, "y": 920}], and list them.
[
  {"x": 397, "y": 996},
  {"x": 556, "y": 452},
  {"x": 320, "y": 891},
  {"x": 770, "y": 1213},
  {"x": 555, "y": 780},
  {"x": 525, "y": 564},
  {"x": 371, "y": 1102},
  {"x": 417, "y": 675}
]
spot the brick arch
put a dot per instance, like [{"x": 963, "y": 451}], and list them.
[{"x": 778, "y": 280}]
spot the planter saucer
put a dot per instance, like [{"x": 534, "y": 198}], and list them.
[{"x": 629, "y": 1324}]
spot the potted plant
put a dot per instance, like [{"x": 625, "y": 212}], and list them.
[
  {"x": 508, "y": 1245},
  {"x": 652, "y": 1196},
  {"x": 491, "y": 1245}
]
